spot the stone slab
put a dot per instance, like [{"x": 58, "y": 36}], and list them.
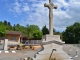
[
  {"x": 13, "y": 51},
  {"x": 6, "y": 51}
]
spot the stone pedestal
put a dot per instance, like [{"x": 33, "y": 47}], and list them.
[
  {"x": 50, "y": 42},
  {"x": 5, "y": 44},
  {"x": 59, "y": 53},
  {"x": 47, "y": 38}
]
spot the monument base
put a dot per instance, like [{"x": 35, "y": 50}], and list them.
[
  {"x": 47, "y": 38},
  {"x": 50, "y": 42}
]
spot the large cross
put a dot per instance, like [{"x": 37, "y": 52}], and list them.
[{"x": 50, "y": 6}]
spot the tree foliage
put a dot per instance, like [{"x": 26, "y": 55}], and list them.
[
  {"x": 37, "y": 35},
  {"x": 2, "y": 29},
  {"x": 7, "y": 25},
  {"x": 33, "y": 31},
  {"x": 28, "y": 31},
  {"x": 22, "y": 29},
  {"x": 72, "y": 33},
  {"x": 5, "y": 22},
  {"x": 45, "y": 30}
]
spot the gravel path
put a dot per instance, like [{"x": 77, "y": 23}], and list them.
[
  {"x": 68, "y": 48},
  {"x": 16, "y": 56},
  {"x": 71, "y": 50}
]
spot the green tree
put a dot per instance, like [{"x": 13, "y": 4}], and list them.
[
  {"x": 38, "y": 35},
  {"x": 72, "y": 33},
  {"x": 20, "y": 28},
  {"x": 14, "y": 29},
  {"x": 2, "y": 29},
  {"x": 45, "y": 30},
  {"x": 31, "y": 29},
  {"x": 54, "y": 30},
  {"x": 9, "y": 24},
  {"x": 5, "y": 22}
]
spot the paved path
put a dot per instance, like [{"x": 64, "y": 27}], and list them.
[{"x": 70, "y": 49}]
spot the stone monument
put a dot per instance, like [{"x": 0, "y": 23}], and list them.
[
  {"x": 50, "y": 6},
  {"x": 51, "y": 37},
  {"x": 51, "y": 44}
]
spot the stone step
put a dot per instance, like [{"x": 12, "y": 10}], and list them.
[{"x": 53, "y": 41}]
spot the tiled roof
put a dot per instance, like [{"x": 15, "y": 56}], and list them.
[{"x": 13, "y": 32}]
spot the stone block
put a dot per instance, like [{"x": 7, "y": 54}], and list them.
[
  {"x": 13, "y": 51},
  {"x": 15, "y": 48},
  {"x": 51, "y": 37},
  {"x": 27, "y": 47},
  {"x": 6, "y": 51}
]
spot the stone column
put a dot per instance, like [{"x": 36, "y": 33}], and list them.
[
  {"x": 50, "y": 22},
  {"x": 5, "y": 44}
]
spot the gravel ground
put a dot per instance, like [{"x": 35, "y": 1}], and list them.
[
  {"x": 68, "y": 48},
  {"x": 71, "y": 50},
  {"x": 16, "y": 56}
]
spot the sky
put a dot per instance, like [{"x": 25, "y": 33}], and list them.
[{"x": 25, "y": 12}]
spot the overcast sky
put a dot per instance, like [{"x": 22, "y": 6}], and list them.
[{"x": 33, "y": 12}]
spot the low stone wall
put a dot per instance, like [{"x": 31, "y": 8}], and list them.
[
  {"x": 23, "y": 47},
  {"x": 36, "y": 47}
]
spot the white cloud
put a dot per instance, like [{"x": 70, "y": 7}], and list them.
[
  {"x": 18, "y": 7},
  {"x": 40, "y": 17},
  {"x": 37, "y": 14},
  {"x": 25, "y": 7}
]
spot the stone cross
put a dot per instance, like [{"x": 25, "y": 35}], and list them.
[{"x": 50, "y": 6}]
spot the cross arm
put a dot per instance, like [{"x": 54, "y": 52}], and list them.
[
  {"x": 51, "y": 5},
  {"x": 46, "y": 5},
  {"x": 55, "y": 7}
]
